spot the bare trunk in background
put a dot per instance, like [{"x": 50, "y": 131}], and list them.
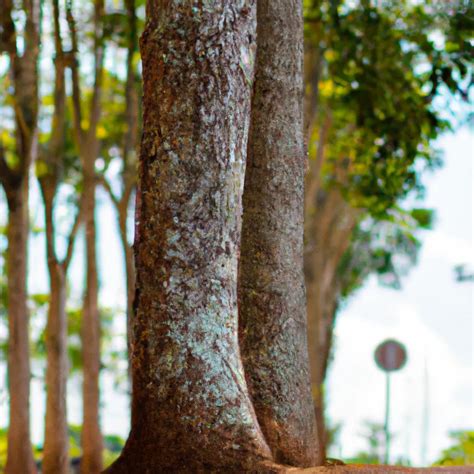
[
  {"x": 272, "y": 299},
  {"x": 92, "y": 444},
  {"x": 89, "y": 146},
  {"x": 128, "y": 174},
  {"x": 329, "y": 223},
  {"x": 15, "y": 181},
  {"x": 56, "y": 439},
  {"x": 19, "y": 454},
  {"x": 328, "y": 235},
  {"x": 191, "y": 411},
  {"x": 56, "y": 443}
]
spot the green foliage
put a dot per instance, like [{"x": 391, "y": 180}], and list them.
[
  {"x": 382, "y": 67},
  {"x": 375, "y": 436},
  {"x": 3, "y": 449},
  {"x": 462, "y": 451},
  {"x": 380, "y": 71},
  {"x": 388, "y": 248}
]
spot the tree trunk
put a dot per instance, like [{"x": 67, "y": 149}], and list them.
[
  {"x": 91, "y": 436},
  {"x": 19, "y": 455},
  {"x": 272, "y": 297},
  {"x": 56, "y": 440},
  {"x": 56, "y": 446},
  {"x": 191, "y": 410},
  {"x": 15, "y": 180},
  {"x": 129, "y": 270},
  {"x": 330, "y": 222}
]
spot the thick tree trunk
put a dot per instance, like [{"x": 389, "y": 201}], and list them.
[
  {"x": 272, "y": 299},
  {"x": 191, "y": 411},
  {"x": 91, "y": 436},
  {"x": 19, "y": 455}
]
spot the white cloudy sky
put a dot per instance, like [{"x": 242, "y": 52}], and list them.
[{"x": 432, "y": 315}]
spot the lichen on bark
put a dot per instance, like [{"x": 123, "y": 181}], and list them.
[{"x": 190, "y": 410}]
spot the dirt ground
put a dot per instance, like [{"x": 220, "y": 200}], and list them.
[{"x": 368, "y": 469}]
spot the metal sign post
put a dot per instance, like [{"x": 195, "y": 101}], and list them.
[{"x": 390, "y": 356}]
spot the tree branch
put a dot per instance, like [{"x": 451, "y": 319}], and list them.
[
  {"x": 95, "y": 107},
  {"x": 48, "y": 190},
  {"x": 8, "y": 178},
  {"x": 76, "y": 87},
  {"x": 106, "y": 185},
  {"x": 72, "y": 236}
]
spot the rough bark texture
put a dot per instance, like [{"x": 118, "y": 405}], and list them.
[
  {"x": 191, "y": 411},
  {"x": 272, "y": 300}
]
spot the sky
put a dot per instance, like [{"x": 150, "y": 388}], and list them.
[{"x": 432, "y": 315}]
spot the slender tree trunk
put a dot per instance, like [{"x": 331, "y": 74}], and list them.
[
  {"x": 271, "y": 281},
  {"x": 56, "y": 447},
  {"x": 15, "y": 180},
  {"x": 91, "y": 435},
  {"x": 129, "y": 270},
  {"x": 56, "y": 440},
  {"x": 191, "y": 411},
  {"x": 19, "y": 455},
  {"x": 88, "y": 146}
]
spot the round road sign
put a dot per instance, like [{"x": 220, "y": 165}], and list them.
[{"x": 390, "y": 355}]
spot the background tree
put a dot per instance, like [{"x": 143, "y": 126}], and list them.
[
  {"x": 272, "y": 300},
  {"x": 373, "y": 73},
  {"x": 51, "y": 169},
  {"x": 88, "y": 145},
  {"x": 15, "y": 162},
  {"x": 129, "y": 124}
]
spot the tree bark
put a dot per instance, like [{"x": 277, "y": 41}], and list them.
[
  {"x": 129, "y": 269},
  {"x": 191, "y": 410},
  {"x": 15, "y": 180},
  {"x": 272, "y": 299},
  {"x": 56, "y": 439},
  {"x": 19, "y": 455},
  {"x": 88, "y": 145},
  {"x": 92, "y": 443},
  {"x": 56, "y": 445},
  {"x": 330, "y": 223},
  {"x": 56, "y": 442}
]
